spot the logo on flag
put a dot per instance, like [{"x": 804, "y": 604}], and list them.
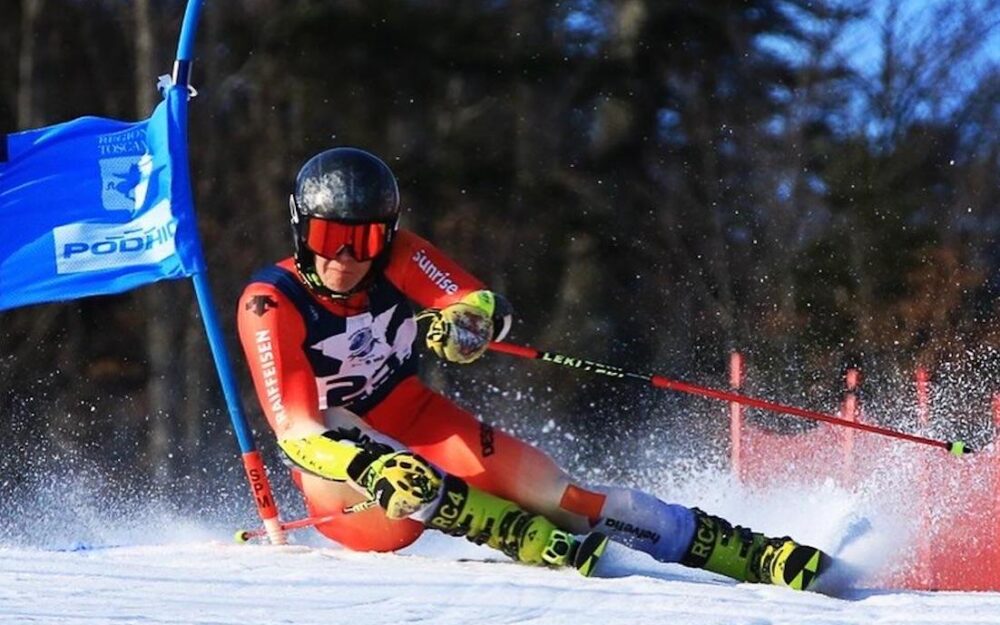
[{"x": 95, "y": 247}]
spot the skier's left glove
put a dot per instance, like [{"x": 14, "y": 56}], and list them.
[{"x": 462, "y": 331}]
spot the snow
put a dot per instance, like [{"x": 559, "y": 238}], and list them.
[
  {"x": 78, "y": 549},
  {"x": 192, "y": 576},
  {"x": 213, "y": 583}
]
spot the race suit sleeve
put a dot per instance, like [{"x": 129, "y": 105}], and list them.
[
  {"x": 272, "y": 333},
  {"x": 425, "y": 274}
]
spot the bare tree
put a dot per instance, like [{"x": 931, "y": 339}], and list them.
[{"x": 162, "y": 323}]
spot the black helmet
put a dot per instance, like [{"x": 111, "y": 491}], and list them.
[{"x": 346, "y": 186}]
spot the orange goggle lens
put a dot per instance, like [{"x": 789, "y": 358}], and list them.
[{"x": 363, "y": 241}]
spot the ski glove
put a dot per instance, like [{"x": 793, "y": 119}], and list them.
[
  {"x": 401, "y": 482},
  {"x": 462, "y": 331}
]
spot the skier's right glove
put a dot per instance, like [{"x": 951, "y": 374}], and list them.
[{"x": 401, "y": 482}]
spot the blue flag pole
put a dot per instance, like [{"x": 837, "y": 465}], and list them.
[{"x": 253, "y": 464}]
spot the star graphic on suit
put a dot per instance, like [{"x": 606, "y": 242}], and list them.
[{"x": 363, "y": 345}]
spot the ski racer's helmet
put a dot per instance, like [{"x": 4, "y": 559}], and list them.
[{"x": 344, "y": 197}]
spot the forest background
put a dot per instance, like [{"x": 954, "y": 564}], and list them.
[{"x": 651, "y": 183}]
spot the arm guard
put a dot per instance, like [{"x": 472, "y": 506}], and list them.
[{"x": 338, "y": 455}]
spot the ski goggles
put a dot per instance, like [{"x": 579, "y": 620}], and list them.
[{"x": 363, "y": 241}]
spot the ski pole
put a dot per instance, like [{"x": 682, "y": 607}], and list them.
[
  {"x": 956, "y": 448},
  {"x": 243, "y": 536}
]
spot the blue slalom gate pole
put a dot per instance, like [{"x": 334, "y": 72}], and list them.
[{"x": 253, "y": 464}]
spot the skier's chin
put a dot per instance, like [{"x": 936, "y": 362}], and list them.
[
  {"x": 341, "y": 276},
  {"x": 341, "y": 282}
]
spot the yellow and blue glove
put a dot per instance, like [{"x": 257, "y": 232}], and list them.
[{"x": 461, "y": 332}]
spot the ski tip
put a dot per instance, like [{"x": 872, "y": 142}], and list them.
[
  {"x": 241, "y": 536},
  {"x": 802, "y": 568},
  {"x": 589, "y": 552}
]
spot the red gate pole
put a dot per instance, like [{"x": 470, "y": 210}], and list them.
[
  {"x": 849, "y": 412},
  {"x": 923, "y": 397},
  {"x": 736, "y": 416},
  {"x": 994, "y": 520},
  {"x": 925, "y": 570}
]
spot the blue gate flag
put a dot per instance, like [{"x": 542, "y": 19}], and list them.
[{"x": 96, "y": 206}]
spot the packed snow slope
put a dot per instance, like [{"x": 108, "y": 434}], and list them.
[
  {"x": 69, "y": 564},
  {"x": 214, "y": 583},
  {"x": 81, "y": 546}
]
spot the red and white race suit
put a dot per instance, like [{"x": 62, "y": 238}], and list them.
[{"x": 308, "y": 354}]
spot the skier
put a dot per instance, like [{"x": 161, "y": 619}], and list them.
[{"x": 329, "y": 337}]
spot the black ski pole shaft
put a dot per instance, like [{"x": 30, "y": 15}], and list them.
[{"x": 956, "y": 448}]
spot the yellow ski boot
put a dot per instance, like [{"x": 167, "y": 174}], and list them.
[
  {"x": 748, "y": 556},
  {"x": 530, "y": 538}
]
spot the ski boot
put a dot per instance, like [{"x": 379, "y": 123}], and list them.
[
  {"x": 748, "y": 556},
  {"x": 501, "y": 524}
]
